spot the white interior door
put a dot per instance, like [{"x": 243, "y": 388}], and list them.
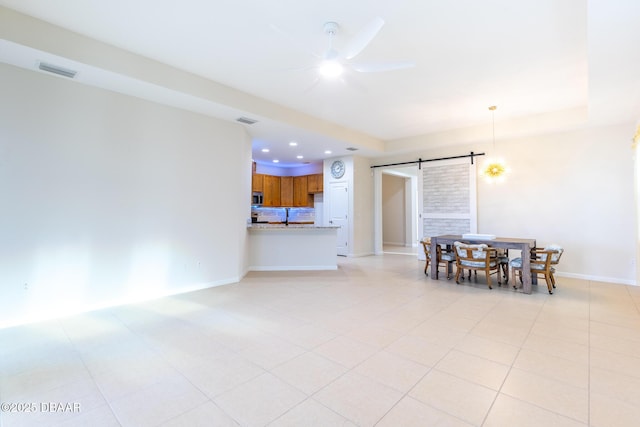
[
  {"x": 448, "y": 202},
  {"x": 338, "y": 214}
]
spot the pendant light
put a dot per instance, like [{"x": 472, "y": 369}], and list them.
[{"x": 494, "y": 169}]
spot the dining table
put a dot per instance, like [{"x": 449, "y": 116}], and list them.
[{"x": 522, "y": 244}]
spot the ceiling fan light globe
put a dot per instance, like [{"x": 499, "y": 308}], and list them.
[{"x": 330, "y": 69}]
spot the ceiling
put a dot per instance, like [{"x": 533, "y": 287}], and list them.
[{"x": 530, "y": 58}]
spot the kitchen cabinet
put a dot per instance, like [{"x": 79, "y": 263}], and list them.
[
  {"x": 286, "y": 191},
  {"x": 315, "y": 183},
  {"x": 271, "y": 191},
  {"x": 257, "y": 182},
  {"x": 301, "y": 196}
]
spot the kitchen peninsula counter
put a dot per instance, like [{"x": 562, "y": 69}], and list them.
[
  {"x": 285, "y": 226},
  {"x": 282, "y": 247}
]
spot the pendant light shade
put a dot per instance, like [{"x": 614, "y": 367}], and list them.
[{"x": 495, "y": 168}]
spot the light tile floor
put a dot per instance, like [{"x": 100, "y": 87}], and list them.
[{"x": 374, "y": 343}]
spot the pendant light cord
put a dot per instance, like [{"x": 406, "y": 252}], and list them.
[{"x": 493, "y": 125}]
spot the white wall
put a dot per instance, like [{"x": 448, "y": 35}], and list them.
[
  {"x": 108, "y": 198},
  {"x": 572, "y": 188},
  {"x": 359, "y": 179},
  {"x": 363, "y": 231}
]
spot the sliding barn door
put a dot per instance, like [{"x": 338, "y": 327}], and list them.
[{"x": 447, "y": 191}]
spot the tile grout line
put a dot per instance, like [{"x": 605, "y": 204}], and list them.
[
  {"x": 431, "y": 368},
  {"x": 155, "y": 351},
  {"x": 513, "y": 363},
  {"x": 77, "y": 351}
]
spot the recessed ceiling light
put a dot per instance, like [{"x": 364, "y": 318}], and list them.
[
  {"x": 276, "y": 161},
  {"x": 299, "y": 157},
  {"x": 327, "y": 152},
  {"x": 293, "y": 143},
  {"x": 265, "y": 150}
]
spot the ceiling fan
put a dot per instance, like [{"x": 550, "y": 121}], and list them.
[{"x": 333, "y": 62}]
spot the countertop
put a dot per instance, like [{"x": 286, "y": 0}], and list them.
[{"x": 290, "y": 226}]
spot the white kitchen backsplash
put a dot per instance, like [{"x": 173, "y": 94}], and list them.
[
  {"x": 301, "y": 215},
  {"x": 280, "y": 214}
]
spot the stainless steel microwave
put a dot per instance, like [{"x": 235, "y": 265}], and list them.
[{"x": 256, "y": 198}]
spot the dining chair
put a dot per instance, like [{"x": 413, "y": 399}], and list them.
[
  {"x": 541, "y": 264},
  {"x": 555, "y": 259},
  {"x": 503, "y": 263},
  {"x": 474, "y": 258},
  {"x": 444, "y": 257}
]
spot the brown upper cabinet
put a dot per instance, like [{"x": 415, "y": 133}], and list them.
[
  {"x": 286, "y": 191},
  {"x": 271, "y": 191},
  {"x": 315, "y": 183},
  {"x": 301, "y": 196},
  {"x": 257, "y": 182}
]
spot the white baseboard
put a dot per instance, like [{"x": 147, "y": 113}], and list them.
[
  {"x": 403, "y": 244},
  {"x": 293, "y": 268},
  {"x": 358, "y": 255},
  {"x": 592, "y": 278}
]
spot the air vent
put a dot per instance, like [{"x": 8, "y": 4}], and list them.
[
  {"x": 352, "y": 149},
  {"x": 246, "y": 120},
  {"x": 55, "y": 69}
]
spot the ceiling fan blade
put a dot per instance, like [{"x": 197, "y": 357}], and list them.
[
  {"x": 363, "y": 38},
  {"x": 313, "y": 85},
  {"x": 382, "y": 66}
]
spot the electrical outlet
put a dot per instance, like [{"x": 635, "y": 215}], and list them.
[{"x": 26, "y": 287}]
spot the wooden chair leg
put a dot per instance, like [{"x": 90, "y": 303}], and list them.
[
  {"x": 458, "y": 270},
  {"x": 547, "y": 278},
  {"x": 514, "y": 275},
  {"x": 426, "y": 265}
]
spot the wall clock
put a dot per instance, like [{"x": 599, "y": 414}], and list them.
[{"x": 337, "y": 169}]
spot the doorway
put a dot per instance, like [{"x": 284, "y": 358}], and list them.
[
  {"x": 399, "y": 210},
  {"x": 451, "y": 181}
]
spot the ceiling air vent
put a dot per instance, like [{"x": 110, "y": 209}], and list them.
[
  {"x": 352, "y": 149},
  {"x": 246, "y": 120},
  {"x": 55, "y": 69}
]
